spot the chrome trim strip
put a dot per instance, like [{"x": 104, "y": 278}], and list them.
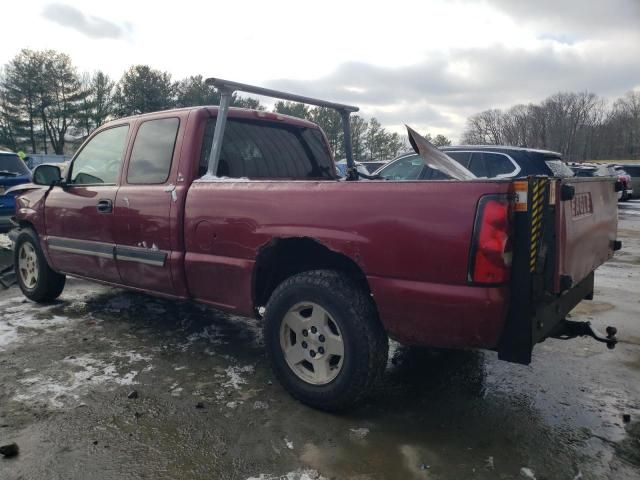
[
  {"x": 142, "y": 255},
  {"x": 146, "y": 261},
  {"x": 82, "y": 247},
  {"x": 79, "y": 251},
  {"x": 147, "y": 256}
]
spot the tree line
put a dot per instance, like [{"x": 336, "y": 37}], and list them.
[
  {"x": 581, "y": 126},
  {"x": 45, "y": 102}
]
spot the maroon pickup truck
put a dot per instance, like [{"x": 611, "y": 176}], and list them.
[{"x": 243, "y": 210}]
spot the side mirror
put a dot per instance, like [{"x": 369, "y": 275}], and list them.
[{"x": 47, "y": 175}]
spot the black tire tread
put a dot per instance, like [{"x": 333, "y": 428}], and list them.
[
  {"x": 365, "y": 322},
  {"x": 50, "y": 283}
]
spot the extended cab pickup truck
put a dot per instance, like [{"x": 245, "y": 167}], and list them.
[{"x": 333, "y": 267}]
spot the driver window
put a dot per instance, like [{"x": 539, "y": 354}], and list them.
[{"x": 101, "y": 158}]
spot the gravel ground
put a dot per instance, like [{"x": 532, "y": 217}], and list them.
[{"x": 206, "y": 405}]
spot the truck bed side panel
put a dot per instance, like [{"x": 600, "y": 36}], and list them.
[{"x": 411, "y": 239}]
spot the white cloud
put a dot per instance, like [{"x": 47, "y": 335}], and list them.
[{"x": 430, "y": 63}]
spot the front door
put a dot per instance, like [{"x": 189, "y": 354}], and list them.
[
  {"x": 144, "y": 204},
  {"x": 79, "y": 217}
]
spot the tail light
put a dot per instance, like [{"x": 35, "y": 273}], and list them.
[{"x": 491, "y": 249}]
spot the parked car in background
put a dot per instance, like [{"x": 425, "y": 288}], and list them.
[
  {"x": 341, "y": 168},
  {"x": 373, "y": 166},
  {"x": 606, "y": 170},
  {"x": 625, "y": 179},
  {"x": 489, "y": 161},
  {"x": 633, "y": 169},
  {"x": 13, "y": 172}
]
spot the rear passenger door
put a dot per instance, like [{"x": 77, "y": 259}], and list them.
[{"x": 144, "y": 221}]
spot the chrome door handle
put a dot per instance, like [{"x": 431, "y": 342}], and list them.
[{"x": 105, "y": 206}]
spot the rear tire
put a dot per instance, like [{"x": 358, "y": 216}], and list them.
[
  {"x": 324, "y": 339},
  {"x": 36, "y": 279}
]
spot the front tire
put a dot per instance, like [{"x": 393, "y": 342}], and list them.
[
  {"x": 324, "y": 339},
  {"x": 36, "y": 279}
]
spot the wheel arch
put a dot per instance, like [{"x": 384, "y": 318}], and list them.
[{"x": 283, "y": 257}]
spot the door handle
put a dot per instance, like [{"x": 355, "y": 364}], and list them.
[{"x": 105, "y": 206}]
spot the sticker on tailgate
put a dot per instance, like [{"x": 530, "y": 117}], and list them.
[{"x": 581, "y": 205}]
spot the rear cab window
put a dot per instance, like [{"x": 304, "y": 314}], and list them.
[{"x": 268, "y": 150}]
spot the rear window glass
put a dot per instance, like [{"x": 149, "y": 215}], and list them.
[
  {"x": 559, "y": 168},
  {"x": 478, "y": 165},
  {"x": 498, "y": 164},
  {"x": 269, "y": 150},
  {"x": 584, "y": 172},
  {"x": 152, "y": 151},
  {"x": 12, "y": 166},
  {"x": 461, "y": 157}
]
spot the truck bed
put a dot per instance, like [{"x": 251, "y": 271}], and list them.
[{"x": 410, "y": 238}]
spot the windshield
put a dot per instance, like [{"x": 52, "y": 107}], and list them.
[{"x": 12, "y": 166}]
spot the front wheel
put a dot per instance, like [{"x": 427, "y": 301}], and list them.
[
  {"x": 36, "y": 279},
  {"x": 324, "y": 340}
]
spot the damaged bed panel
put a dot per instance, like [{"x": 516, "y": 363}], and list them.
[{"x": 412, "y": 231}]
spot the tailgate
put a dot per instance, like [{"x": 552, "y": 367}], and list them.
[
  {"x": 563, "y": 230},
  {"x": 586, "y": 224}
]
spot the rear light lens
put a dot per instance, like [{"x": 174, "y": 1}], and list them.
[{"x": 491, "y": 249}]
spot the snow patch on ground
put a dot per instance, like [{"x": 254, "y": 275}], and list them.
[
  {"x": 234, "y": 375},
  {"x": 301, "y": 474},
  {"x": 5, "y": 242},
  {"x": 73, "y": 377},
  {"x": 19, "y": 322},
  {"x": 359, "y": 433}
]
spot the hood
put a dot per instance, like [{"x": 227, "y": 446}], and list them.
[{"x": 22, "y": 188}]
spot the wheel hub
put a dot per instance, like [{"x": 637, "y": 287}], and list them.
[
  {"x": 28, "y": 265},
  {"x": 312, "y": 343}
]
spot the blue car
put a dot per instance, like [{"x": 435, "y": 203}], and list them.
[{"x": 13, "y": 172}]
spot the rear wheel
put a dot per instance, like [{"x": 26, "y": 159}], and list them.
[
  {"x": 324, "y": 340},
  {"x": 36, "y": 279}
]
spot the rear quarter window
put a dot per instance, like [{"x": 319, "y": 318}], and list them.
[
  {"x": 152, "y": 153},
  {"x": 499, "y": 164}
]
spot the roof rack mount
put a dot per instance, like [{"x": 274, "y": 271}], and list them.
[{"x": 227, "y": 89}]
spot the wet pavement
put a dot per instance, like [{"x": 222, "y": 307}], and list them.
[{"x": 208, "y": 406}]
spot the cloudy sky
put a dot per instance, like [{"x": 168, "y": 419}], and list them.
[{"x": 429, "y": 63}]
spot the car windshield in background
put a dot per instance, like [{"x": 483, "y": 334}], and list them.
[{"x": 12, "y": 166}]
